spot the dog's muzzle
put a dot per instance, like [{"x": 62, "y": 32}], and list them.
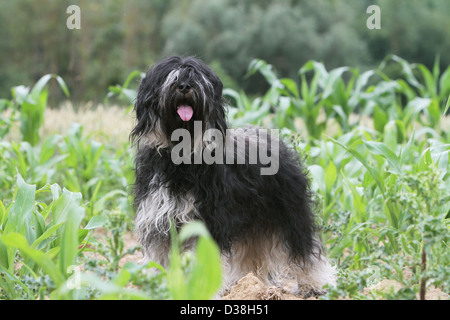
[{"x": 184, "y": 108}]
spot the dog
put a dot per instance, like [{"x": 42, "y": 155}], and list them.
[{"x": 263, "y": 222}]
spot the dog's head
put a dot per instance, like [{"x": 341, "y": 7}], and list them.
[{"x": 174, "y": 93}]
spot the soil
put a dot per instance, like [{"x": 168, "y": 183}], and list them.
[{"x": 251, "y": 288}]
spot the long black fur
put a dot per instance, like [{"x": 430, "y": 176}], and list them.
[{"x": 235, "y": 201}]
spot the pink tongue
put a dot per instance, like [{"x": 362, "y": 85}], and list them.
[{"x": 185, "y": 112}]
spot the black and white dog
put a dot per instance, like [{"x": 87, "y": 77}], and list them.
[{"x": 261, "y": 220}]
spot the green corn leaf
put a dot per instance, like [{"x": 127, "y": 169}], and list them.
[
  {"x": 444, "y": 84},
  {"x": 407, "y": 71},
  {"x": 48, "y": 148},
  {"x": 318, "y": 181},
  {"x": 42, "y": 83},
  {"x": 291, "y": 87},
  {"x": 62, "y": 85},
  {"x": 392, "y": 216},
  {"x": 430, "y": 81},
  {"x": 361, "y": 82},
  {"x": 380, "y": 118},
  {"x": 47, "y": 234},
  {"x": 20, "y": 216},
  {"x": 358, "y": 202},
  {"x": 447, "y": 105},
  {"x": 39, "y": 87},
  {"x": 63, "y": 206},
  {"x": 206, "y": 276},
  {"x": 175, "y": 277},
  {"x": 381, "y": 149},
  {"x": 69, "y": 238},
  {"x": 18, "y": 241},
  {"x": 330, "y": 176},
  {"x": 330, "y": 84},
  {"x": 96, "y": 222},
  {"x": 3, "y": 213}
]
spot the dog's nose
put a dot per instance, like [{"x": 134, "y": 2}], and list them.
[{"x": 184, "y": 87}]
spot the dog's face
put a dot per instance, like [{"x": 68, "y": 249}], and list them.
[{"x": 174, "y": 93}]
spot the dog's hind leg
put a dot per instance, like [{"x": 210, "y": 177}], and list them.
[
  {"x": 248, "y": 256},
  {"x": 305, "y": 278},
  {"x": 313, "y": 276}
]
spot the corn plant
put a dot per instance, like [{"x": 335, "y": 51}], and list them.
[
  {"x": 45, "y": 238},
  {"x": 246, "y": 111},
  {"x": 204, "y": 279},
  {"x": 6, "y": 121},
  {"x": 98, "y": 174},
  {"x": 425, "y": 90},
  {"x": 32, "y": 104},
  {"x": 123, "y": 92}
]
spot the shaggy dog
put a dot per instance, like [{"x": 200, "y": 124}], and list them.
[{"x": 249, "y": 189}]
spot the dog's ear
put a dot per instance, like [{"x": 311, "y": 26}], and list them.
[
  {"x": 146, "y": 109},
  {"x": 218, "y": 88},
  {"x": 219, "y": 106},
  {"x": 216, "y": 112}
]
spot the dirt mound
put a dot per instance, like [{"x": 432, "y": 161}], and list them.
[{"x": 251, "y": 288}]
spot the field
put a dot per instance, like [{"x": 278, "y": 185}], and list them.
[{"x": 377, "y": 150}]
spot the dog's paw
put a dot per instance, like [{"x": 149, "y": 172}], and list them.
[{"x": 308, "y": 291}]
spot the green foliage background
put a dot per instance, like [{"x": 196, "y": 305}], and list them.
[{"x": 117, "y": 37}]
